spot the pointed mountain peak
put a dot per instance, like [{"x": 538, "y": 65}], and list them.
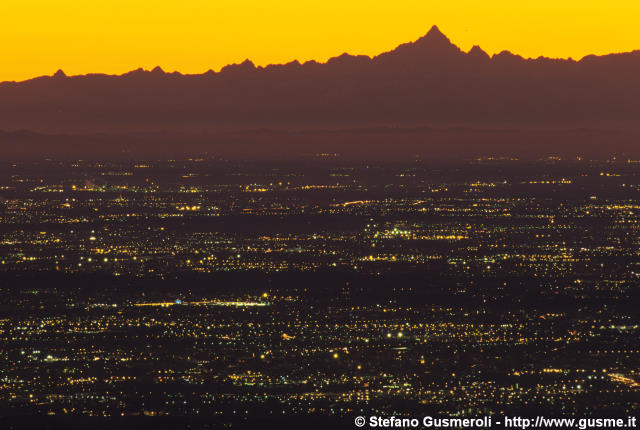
[
  {"x": 59, "y": 74},
  {"x": 477, "y": 52},
  {"x": 435, "y": 36},
  {"x": 435, "y": 39},
  {"x": 157, "y": 70},
  {"x": 434, "y": 43},
  {"x": 434, "y": 31}
]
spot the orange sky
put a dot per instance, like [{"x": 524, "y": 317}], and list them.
[{"x": 37, "y": 37}]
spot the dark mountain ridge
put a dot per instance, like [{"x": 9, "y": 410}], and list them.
[
  {"x": 426, "y": 96},
  {"x": 429, "y": 79}
]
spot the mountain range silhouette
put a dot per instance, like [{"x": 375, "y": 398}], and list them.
[{"x": 428, "y": 81}]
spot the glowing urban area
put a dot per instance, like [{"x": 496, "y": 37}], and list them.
[{"x": 223, "y": 292}]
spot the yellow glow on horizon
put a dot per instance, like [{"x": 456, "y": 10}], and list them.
[{"x": 37, "y": 37}]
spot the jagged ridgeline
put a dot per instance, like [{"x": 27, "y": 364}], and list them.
[
  {"x": 427, "y": 79},
  {"x": 415, "y": 96}
]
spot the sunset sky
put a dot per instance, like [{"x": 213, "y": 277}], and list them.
[{"x": 37, "y": 37}]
